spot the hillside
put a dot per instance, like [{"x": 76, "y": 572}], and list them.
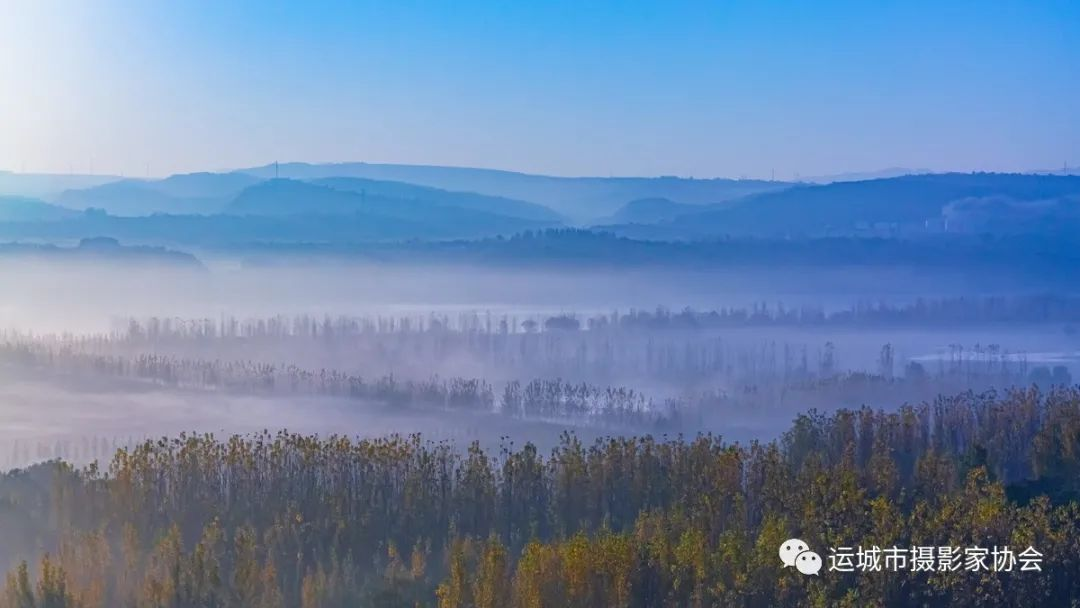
[
  {"x": 579, "y": 198},
  {"x": 434, "y": 196},
  {"x": 903, "y": 204},
  {"x": 22, "y": 209},
  {"x": 285, "y": 197},
  {"x": 861, "y": 176},
  {"x": 98, "y": 249},
  {"x": 47, "y": 186},
  {"x": 240, "y": 193},
  {"x": 280, "y": 211},
  {"x": 221, "y": 186},
  {"x": 182, "y": 193},
  {"x": 650, "y": 211},
  {"x": 289, "y": 197},
  {"x": 134, "y": 198}
]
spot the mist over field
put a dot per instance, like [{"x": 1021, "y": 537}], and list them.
[{"x": 736, "y": 348}]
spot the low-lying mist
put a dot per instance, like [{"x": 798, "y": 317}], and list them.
[
  {"x": 84, "y": 418},
  {"x": 88, "y": 296},
  {"x": 98, "y": 354}
]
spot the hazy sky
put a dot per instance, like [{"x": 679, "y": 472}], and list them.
[{"x": 720, "y": 88}]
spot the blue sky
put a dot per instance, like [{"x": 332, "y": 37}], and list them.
[{"x": 719, "y": 88}]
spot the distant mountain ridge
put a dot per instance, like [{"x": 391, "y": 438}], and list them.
[
  {"x": 47, "y": 186},
  {"x": 441, "y": 210},
  {"x": 248, "y": 206},
  {"x": 651, "y": 211},
  {"x": 24, "y": 209},
  {"x": 199, "y": 193},
  {"x": 100, "y": 249},
  {"x": 861, "y": 176},
  {"x": 582, "y": 199},
  {"x": 210, "y": 193},
  {"x": 465, "y": 200},
  {"x": 205, "y": 184},
  {"x": 848, "y": 207},
  {"x": 241, "y": 230},
  {"x": 288, "y": 211}
]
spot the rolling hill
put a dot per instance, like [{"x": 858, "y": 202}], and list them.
[
  {"x": 405, "y": 192},
  {"x": 22, "y": 209},
  {"x": 651, "y": 211},
  {"x": 47, "y": 186},
  {"x": 582, "y": 199},
  {"x": 247, "y": 208},
  {"x": 201, "y": 193},
  {"x": 904, "y": 203},
  {"x": 99, "y": 249},
  {"x": 285, "y": 197}
]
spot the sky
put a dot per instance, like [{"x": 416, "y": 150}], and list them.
[{"x": 564, "y": 87}]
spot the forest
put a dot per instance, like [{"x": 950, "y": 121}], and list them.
[{"x": 282, "y": 519}]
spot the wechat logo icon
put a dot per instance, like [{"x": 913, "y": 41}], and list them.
[{"x": 794, "y": 552}]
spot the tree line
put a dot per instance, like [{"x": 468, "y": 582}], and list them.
[
  {"x": 623, "y": 350},
  {"x": 539, "y": 398},
  {"x": 769, "y": 393},
  {"x": 919, "y": 312},
  {"x": 289, "y": 520}
]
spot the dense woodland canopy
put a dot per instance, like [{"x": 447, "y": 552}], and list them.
[{"x": 289, "y": 520}]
